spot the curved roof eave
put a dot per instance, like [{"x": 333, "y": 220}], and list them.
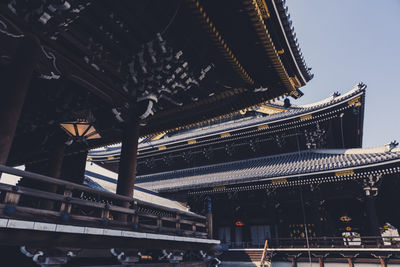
[{"x": 291, "y": 40}]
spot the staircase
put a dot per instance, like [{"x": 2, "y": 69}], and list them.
[
  {"x": 260, "y": 257},
  {"x": 243, "y": 256}
]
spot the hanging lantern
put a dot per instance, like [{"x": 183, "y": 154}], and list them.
[
  {"x": 80, "y": 130},
  {"x": 239, "y": 223},
  {"x": 345, "y": 218}
]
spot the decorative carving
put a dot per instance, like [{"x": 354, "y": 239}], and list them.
[
  {"x": 280, "y": 140},
  {"x": 123, "y": 257},
  {"x": 371, "y": 184},
  {"x": 315, "y": 139}
]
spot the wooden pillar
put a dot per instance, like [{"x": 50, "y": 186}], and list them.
[
  {"x": 14, "y": 87},
  {"x": 372, "y": 216},
  {"x": 209, "y": 217},
  {"x": 73, "y": 167},
  {"x": 127, "y": 164},
  {"x": 56, "y": 159},
  {"x": 370, "y": 187}
]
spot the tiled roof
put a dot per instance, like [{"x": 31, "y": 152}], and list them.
[
  {"x": 269, "y": 168},
  {"x": 243, "y": 123},
  {"x": 105, "y": 180}
]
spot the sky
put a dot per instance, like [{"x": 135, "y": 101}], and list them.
[{"x": 351, "y": 41}]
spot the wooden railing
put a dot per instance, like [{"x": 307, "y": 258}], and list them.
[
  {"x": 325, "y": 242},
  {"x": 80, "y": 205}
]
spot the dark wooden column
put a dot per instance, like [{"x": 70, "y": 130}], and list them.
[
  {"x": 370, "y": 187},
  {"x": 127, "y": 164},
  {"x": 209, "y": 217},
  {"x": 373, "y": 223},
  {"x": 56, "y": 160},
  {"x": 14, "y": 87},
  {"x": 73, "y": 167}
]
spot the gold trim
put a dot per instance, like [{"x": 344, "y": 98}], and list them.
[
  {"x": 193, "y": 141},
  {"x": 264, "y": 9},
  {"x": 218, "y": 41},
  {"x": 354, "y": 101},
  {"x": 162, "y": 147},
  {"x": 110, "y": 157},
  {"x": 157, "y": 136},
  {"x": 344, "y": 173},
  {"x": 295, "y": 93},
  {"x": 295, "y": 81},
  {"x": 225, "y": 134},
  {"x": 279, "y": 181},
  {"x": 269, "y": 109},
  {"x": 219, "y": 188},
  {"x": 256, "y": 17},
  {"x": 306, "y": 117},
  {"x": 281, "y": 52},
  {"x": 264, "y": 126}
]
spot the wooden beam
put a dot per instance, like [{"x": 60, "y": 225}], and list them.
[{"x": 15, "y": 82}]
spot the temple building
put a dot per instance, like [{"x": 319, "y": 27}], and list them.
[
  {"x": 77, "y": 76},
  {"x": 293, "y": 175}
]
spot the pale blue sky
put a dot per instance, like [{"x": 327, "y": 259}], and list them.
[{"x": 348, "y": 41}]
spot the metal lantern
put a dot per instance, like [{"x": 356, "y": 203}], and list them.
[{"x": 80, "y": 130}]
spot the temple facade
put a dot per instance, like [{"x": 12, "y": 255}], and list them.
[{"x": 293, "y": 175}]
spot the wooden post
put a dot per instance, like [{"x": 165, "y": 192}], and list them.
[
  {"x": 14, "y": 87},
  {"x": 350, "y": 261},
  {"x": 294, "y": 263},
  {"x": 178, "y": 223},
  {"x": 66, "y": 207},
  {"x": 105, "y": 213},
  {"x": 382, "y": 262},
  {"x": 12, "y": 198},
  {"x": 321, "y": 262},
  {"x": 209, "y": 217},
  {"x": 135, "y": 217},
  {"x": 127, "y": 164},
  {"x": 159, "y": 224}
]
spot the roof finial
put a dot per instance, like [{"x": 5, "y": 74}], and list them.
[{"x": 390, "y": 146}]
